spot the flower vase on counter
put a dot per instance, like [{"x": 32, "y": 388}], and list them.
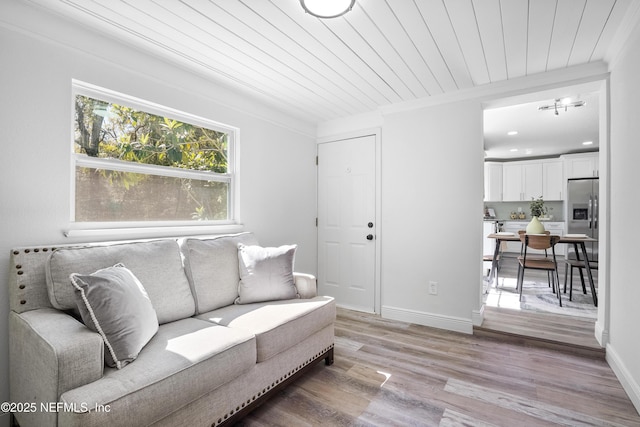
[
  {"x": 537, "y": 210},
  {"x": 535, "y": 226}
]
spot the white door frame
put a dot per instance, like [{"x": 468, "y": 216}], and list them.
[
  {"x": 376, "y": 132},
  {"x": 601, "y": 86}
]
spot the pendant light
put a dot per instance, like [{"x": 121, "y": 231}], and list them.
[{"x": 561, "y": 103}]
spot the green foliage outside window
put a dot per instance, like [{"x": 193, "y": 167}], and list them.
[
  {"x": 111, "y": 131},
  {"x": 114, "y": 131}
]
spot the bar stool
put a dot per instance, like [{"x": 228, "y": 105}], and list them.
[{"x": 569, "y": 265}]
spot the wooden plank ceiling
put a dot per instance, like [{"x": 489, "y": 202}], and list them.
[{"x": 382, "y": 52}]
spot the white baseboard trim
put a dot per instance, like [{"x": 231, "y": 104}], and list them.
[
  {"x": 477, "y": 316},
  {"x": 355, "y": 308},
  {"x": 457, "y": 324},
  {"x": 602, "y": 335},
  {"x": 629, "y": 384}
]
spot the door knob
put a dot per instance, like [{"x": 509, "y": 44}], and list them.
[
  {"x": 369, "y": 236},
  {"x": 370, "y": 225}
]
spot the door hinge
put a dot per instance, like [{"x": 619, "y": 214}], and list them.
[
  {"x": 316, "y": 221},
  {"x": 316, "y": 160}
]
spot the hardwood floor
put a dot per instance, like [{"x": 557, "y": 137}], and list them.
[
  {"x": 568, "y": 333},
  {"x": 563, "y": 333},
  {"x": 389, "y": 373}
]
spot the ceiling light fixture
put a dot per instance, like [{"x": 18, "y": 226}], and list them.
[
  {"x": 562, "y": 103},
  {"x": 512, "y": 132},
  {"x": 327, "y": 8},
  {"x": 587, "y": 143}
]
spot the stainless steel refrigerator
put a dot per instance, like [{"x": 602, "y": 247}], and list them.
[{"x": 582, "y": 209}]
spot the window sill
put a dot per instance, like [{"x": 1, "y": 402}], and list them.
[{"x": 150, "y": 232}]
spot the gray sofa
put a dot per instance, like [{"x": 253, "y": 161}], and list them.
[{"x": 209, "y": 362}]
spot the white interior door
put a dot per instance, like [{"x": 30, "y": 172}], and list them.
[{"x": 346, "y": 222}]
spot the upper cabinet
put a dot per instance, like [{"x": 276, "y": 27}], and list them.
[
  {"x": 552, "y": 179},
  {"x": 492, "y": 182},
  {"x": 584, "y": 165},
  {"x": 521, "y": 180}
]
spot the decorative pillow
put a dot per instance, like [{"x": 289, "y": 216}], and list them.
[
  {"x": 113, "y": 302},
  {"x": 211, "y": 264},
  {"x": 266, "y": 274}
]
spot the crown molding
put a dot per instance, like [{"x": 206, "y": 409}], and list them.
[
  {"x": 576, "y": 75},
  {"x": 630, "y": 24}
]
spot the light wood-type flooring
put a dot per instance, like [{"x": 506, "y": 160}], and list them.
[
  {"x": 389, "y": 373},
  {"x": 568, "y": 333}
]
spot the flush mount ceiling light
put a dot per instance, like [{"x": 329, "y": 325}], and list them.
[
  {"x": 561, "y": 103},
  {"x": 327, "y": 8}
]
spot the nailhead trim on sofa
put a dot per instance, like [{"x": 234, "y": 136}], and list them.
[{"x": 262, "y": 396}]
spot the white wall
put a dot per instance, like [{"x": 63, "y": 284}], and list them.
[
  {"x": 41, "y": 55},
  {"x": 623, "y": 351},
  {"x": 432, "y": 186}
]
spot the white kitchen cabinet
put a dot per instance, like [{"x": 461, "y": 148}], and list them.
[
  {"x": 511, "y": 182},
  {"x": 488, "y": 245},
  {"x": 532, "y": 181},
  {"x": 552, "y": 179},
  {"x": 513, "y": 227},
  {"x": 521, "y": 181},
  {"x": 584, "y": 165},
  {"x": 492, "y": 182}
]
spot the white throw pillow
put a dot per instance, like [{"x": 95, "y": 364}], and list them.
[
  {"x": 266, "y": 274},
  {"x": 113, "y": 302}
]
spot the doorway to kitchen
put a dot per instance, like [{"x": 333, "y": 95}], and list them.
[{"x": 521, "y": 137}]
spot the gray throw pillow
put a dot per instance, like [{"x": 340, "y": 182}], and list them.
[
  {"x": 266, "y": 274},
  {"x": 113, "y": 302}
]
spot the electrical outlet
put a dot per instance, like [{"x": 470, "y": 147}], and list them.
[{"x": 433, "y": 288}]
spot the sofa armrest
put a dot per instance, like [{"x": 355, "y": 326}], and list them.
[
  {"x": 306, "y": 284},
  {"x": 50, "y": 353}
]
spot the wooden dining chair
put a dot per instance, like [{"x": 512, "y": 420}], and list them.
[
  {"x": 527, "y": 260},
  {"x": 531, "y": 255}
]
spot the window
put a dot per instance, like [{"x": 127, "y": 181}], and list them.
[{"x": 140, "y": 163}]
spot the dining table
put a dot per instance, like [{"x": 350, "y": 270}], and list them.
[{"x": 577, "y": 240}]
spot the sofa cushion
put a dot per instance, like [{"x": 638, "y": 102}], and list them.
[
  {"x": 113, "y": 302},
  {"x": 185, "y": 360},
  {"x": 212, "y": 268},
  {"x": 157, "y": 264},
  {"x": 266, "y": 274},
  {"x": 277, "y": 325}
]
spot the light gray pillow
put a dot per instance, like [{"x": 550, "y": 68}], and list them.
[
  {"x": 266, "y": 274},
  {"x": 211, "y": 264},
  {"x": 113, "y": 302}
]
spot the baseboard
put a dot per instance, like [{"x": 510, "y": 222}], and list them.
[
  {"x": 477, "y": 316},
  {"x": 629, "y": 384},
  {"x": 355, "y": 308},
  {"x": 450, "y": 323},
  {"x": 602, "y": 335}
]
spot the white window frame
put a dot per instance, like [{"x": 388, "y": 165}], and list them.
[{"x": 150, "y": 228}]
